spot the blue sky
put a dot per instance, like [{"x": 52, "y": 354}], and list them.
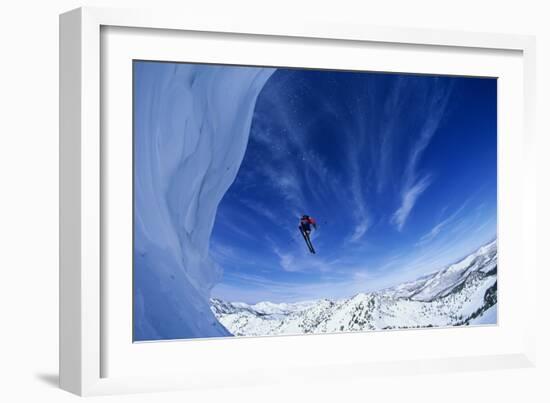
[{"x": 398, "y": 170}]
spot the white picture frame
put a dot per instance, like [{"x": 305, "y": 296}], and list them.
[{"x": 93, "y": 348}]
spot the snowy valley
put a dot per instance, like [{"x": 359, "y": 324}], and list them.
[{"x": 463, "y": 293}]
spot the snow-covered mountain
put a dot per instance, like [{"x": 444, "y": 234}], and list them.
[
  {"x": 444, "y": 282},
  {"x": 463, "y": 293}
]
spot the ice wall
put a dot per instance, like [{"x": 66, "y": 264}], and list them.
[{"x": 191, "y": 127}]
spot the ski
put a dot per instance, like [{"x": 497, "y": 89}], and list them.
[
  {"x": 307, "y": 240},
  {"x": 310, "y": 245}
]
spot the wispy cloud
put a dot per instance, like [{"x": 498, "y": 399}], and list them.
[
  {"x": 254, "y": 289},
  {"x": 286, "y": 182},
  {"x": 358, "y": 185},
  {"x": 299, "y": 260},
  {"x": 261, "y": 210},
  {"x": 230, "y": 223},
  {"x": 361, "y": 228},
  {"x": 382, "y": 149},
  {"x": 409, "y": 198},
  {"x": 414, "y": 184},
  {"x": 336, "y": 284},
  {"x": 436, "y": 229},
  {"x": 287, "y": 261}
]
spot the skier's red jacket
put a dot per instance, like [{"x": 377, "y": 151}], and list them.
[{"x": 307, "y": 221}]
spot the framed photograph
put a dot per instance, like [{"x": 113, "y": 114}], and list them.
[{"x": 247, "y": 201}]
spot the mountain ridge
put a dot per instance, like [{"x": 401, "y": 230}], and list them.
[{"x": 458, "y": 294}]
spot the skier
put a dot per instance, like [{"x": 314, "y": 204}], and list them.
[{"x": 306, "y": 222}]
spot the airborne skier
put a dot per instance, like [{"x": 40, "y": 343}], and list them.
[{"x": 306, "y": 222}]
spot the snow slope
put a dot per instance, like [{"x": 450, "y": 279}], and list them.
[
  {"x": 463, "y": 293},
  {"x": 489, "y": 317},
  {"x": 191, "y": 130},
  {"x": 443, "y": 282}
]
